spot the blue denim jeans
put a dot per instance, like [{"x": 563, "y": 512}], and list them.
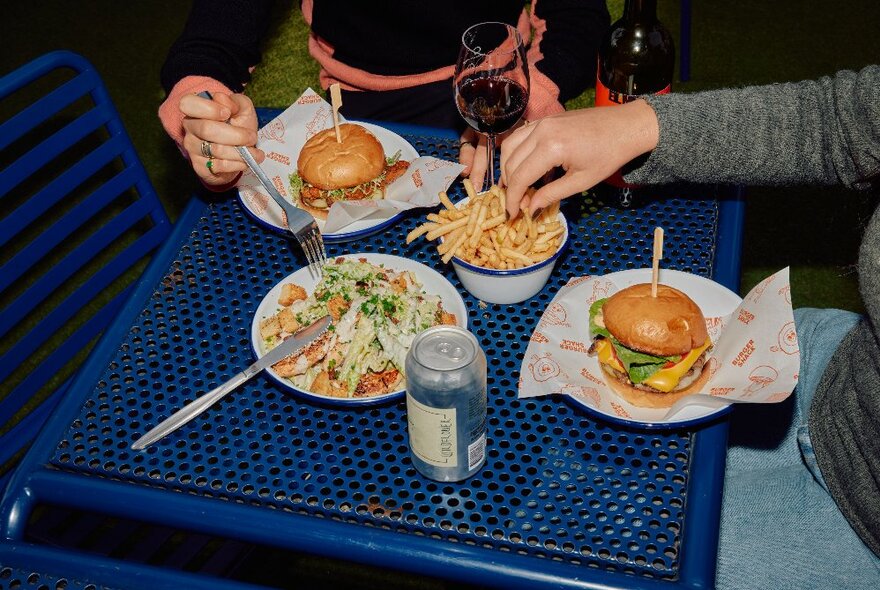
[{"x": 780, "y": 528}]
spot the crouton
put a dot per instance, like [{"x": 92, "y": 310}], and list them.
[
  {"x": 290, "y": 293},
  {"x": 337, "y": 307},
  {"x": 447, "y": 318},
  {"x": 398, "y": 285},
  {"x": 288, "y": 320},
  {"x": 269, "y": 327}
]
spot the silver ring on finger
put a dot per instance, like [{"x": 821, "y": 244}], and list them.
[{"x": 206, "y": 149}]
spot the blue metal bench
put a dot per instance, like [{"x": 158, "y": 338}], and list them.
[{"x": 80, "y": 220}]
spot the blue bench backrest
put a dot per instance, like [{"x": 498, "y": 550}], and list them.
[{"x": 78, "y": 218}]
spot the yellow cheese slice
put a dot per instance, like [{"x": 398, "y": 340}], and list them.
[
  {"x": 665, "y": 380},
  {"x": 605, "y": 352}
]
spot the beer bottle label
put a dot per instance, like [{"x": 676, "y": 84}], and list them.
[
  {"x": 432, "y": 433},
  {"x": 605, "y": 97}
]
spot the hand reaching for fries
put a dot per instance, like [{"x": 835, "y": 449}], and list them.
[{"x": 478, "y": 231}]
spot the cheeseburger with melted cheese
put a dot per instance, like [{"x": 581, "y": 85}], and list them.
[
  {"x": 355, "y": 168},
  {"x": 651, "y": 349}
]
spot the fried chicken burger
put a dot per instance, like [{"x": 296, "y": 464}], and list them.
[
  {"x": 330, "y": 171},
  {"x": 651, "y": 349}
]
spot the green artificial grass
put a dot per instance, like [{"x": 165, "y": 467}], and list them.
[{"x": 748, "y": 42}]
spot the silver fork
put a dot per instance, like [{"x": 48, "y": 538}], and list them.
[{"x": 300, "y": 223}]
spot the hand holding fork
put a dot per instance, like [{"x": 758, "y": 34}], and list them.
[{"x": 300, "y": 223}]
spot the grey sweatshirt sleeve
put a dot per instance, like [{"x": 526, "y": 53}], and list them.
[{"x": 818, "y": 132}]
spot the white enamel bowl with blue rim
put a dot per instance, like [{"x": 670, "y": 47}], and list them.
[{"x": 508, "y": 286}]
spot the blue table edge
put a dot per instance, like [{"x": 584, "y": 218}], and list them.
[{"x": 32, "y": 482}]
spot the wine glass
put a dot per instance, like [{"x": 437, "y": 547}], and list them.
[{"x": 491, "y": 82}]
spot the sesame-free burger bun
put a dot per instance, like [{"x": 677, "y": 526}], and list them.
[
  {"x": 668, "y": 324},
  {"x": 328, "y": 164}
]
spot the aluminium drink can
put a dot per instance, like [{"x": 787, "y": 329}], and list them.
[{"x": 446, "y": 403}]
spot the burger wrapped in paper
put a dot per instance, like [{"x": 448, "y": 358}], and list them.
[
  {"x": 351, "y": 170},
  {"x": 651, "y": 349}
]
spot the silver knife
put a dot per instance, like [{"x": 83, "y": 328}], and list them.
[{"x": 290, "y": 346}]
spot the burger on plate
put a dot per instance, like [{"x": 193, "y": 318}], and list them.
[
  {"x": 651, "y": 349},
  {"x": 328, "y": 171}
]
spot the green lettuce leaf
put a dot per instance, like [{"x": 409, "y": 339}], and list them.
[
  {"x": 595, "y": 310},
  {"x": 639, "y": 365}
]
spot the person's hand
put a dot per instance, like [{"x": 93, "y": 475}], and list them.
[
  {"x": 472, "y": 155},
  {"x": 588, "y": 144},
  {"x": 217, "y": 126}
]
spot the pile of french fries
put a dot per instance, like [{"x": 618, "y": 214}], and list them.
[{"x": 479, "y": 232}]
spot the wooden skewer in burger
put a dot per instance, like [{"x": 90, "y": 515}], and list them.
[
  {"x": 651, "y": 341},
  {"x": 342, "y": 163}
]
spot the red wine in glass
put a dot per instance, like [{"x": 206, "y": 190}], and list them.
[
  {"x": 491, "y": 82},
  {"x": 491, "y": 105}
]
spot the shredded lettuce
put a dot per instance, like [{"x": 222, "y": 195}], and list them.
[{"x": 386, "y": 309}]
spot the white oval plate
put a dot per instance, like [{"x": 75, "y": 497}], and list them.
[
  {"x": 714, "y": 299},
  {"x": 271, "y": 215},
  {"x": 432, "y": 282}
]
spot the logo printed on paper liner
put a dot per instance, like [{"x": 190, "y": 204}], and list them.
[
  {"x": 544, "y": 367},
  {"x": 274, "y": 131}
]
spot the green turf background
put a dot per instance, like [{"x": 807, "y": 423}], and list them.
[{"x": 814, "y": 231}]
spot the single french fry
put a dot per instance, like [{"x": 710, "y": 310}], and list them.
[
  {"x": 446, "y": 228},
  {"x": 444, "y": 198},
  {"x": 549, "y": 236},
  {"x": 469, "y": 188},
  {"x": 455, "y": 246},
  {"x": 449, "y": 240},
  {"x": 420, "y": 230},
  {"x": 548, "y": 226},
  {"x": 514, "y": 255},
  {"x": 539, "y": 248},
  {"x": 472, "y": 218},
  {"x": 502, "y": 199},
  {"x": 493, "y": 222},
  {"x": 502, "y": 233},
  {"x": 542, "y": 256},
  {"x": 481, "y": 219}
]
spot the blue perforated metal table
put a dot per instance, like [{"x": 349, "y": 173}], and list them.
[{"x": 564, "y": 499}]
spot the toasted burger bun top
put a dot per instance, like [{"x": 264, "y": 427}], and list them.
[
  {"x": 328, "y": 164},
  {"x": 666, "y": 325}
]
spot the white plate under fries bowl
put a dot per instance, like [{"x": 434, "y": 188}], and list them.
[
  {"x": 433, "y": 283},
  {"x": 714, "y": 299},
  {"x": 269, "y": 214}
]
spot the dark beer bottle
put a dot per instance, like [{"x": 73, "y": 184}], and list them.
[{"x": 636, "y": 57}]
